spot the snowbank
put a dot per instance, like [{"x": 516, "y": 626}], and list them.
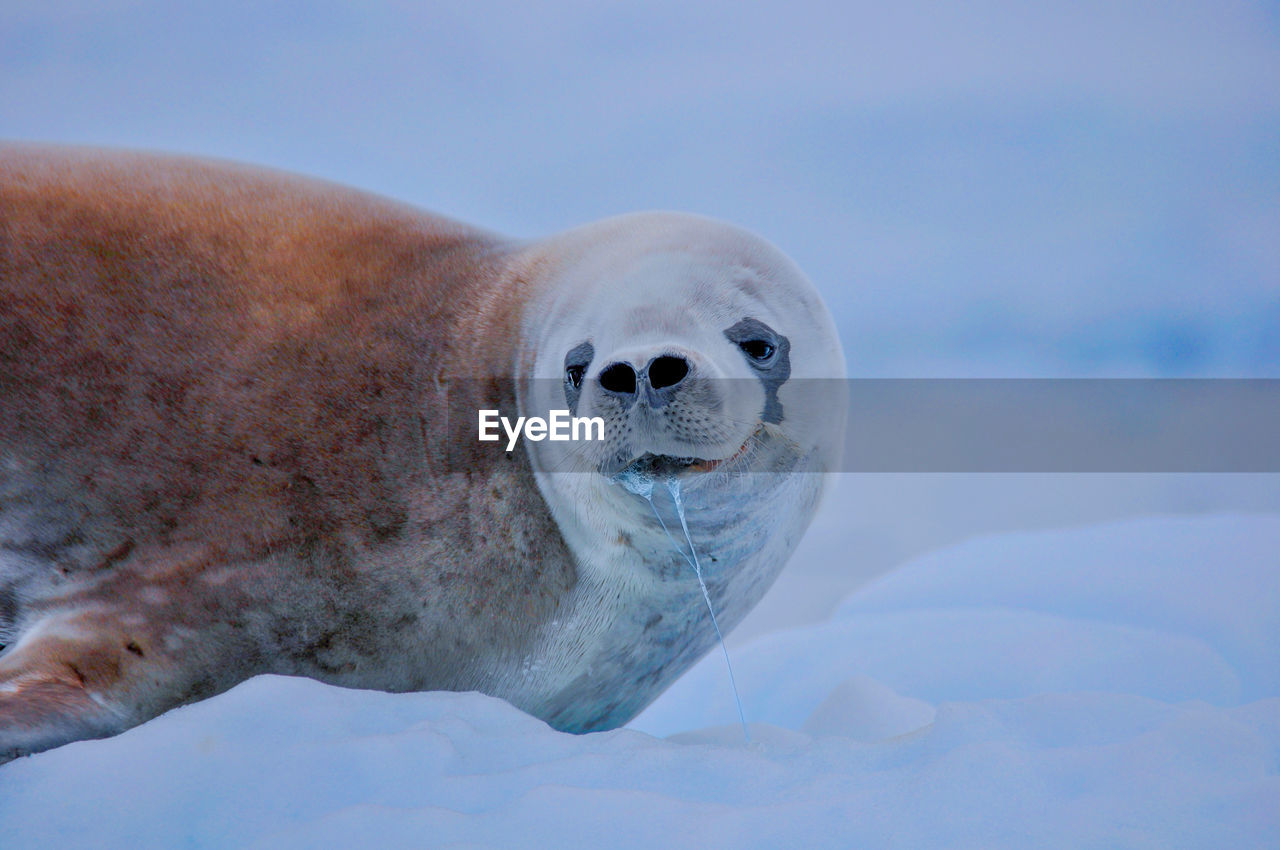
[{"x": 1113, "y": 686}]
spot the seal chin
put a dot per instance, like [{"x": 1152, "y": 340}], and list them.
[{"x": 652, "y": 465}]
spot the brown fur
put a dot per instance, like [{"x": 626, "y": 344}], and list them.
[{"x": 237, "y": 421}]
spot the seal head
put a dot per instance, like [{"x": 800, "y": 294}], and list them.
[{"x": 714, "y": 365}]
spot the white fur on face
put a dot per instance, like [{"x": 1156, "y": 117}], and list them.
[
  {"x": 651, "y": 284},
  {"x": 648, "y": 285}
]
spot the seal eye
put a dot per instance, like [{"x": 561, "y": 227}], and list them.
[
  {"x": 758, "y": 349},
  {"x": 575, "y": 369}
]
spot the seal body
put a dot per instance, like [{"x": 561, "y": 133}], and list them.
[{"x": 238, "y": 436}]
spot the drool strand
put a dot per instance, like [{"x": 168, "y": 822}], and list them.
[{"x": 642, "y": 485}]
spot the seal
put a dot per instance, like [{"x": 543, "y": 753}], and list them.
[{"x": 238, "y": 436}]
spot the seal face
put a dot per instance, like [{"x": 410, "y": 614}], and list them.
[{"x": 238, "y": 438}]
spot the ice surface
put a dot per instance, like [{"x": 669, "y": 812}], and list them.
[
  {"x": 1109, "y": 686},
  {"x": 1171, "y": 609}
]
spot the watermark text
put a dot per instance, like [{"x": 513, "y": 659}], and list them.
[{"x": 559, "y": 426}]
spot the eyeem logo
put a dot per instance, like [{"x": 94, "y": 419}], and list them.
[{"x": 559, "y": 427}]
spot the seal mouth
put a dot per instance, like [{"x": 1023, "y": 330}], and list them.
[{"x": 668, "y": 466}]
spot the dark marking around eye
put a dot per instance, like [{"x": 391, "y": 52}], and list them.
[
  {"x": 769, "y": 353},
  {"x": 575, "y": 366}
]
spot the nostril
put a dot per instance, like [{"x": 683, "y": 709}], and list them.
[
  {"x": 667, "y": 371},
  {"x": 619, "y": 378}
]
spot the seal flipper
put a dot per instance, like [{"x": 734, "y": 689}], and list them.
[
  {"x": 73, "y": 674},
  {"x": 49, "y": 693}
]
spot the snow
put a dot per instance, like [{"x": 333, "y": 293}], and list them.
[
  {"x": 1170, "y": 609},
  {"x": 1115, "y": 685}
]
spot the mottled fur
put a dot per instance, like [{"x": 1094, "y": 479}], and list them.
[{"x": 223, "y": 396}]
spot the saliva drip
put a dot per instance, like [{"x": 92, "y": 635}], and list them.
[
  {"x": 641, "y": 484},
  {"x": 673, "y": 487}
]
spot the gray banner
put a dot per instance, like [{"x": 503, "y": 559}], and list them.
[
  {"x": 1063, "y": 425},
  {"x": 1035, "y": 425}
]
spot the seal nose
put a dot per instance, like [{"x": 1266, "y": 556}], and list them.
[
  {"x": 662, "y": 377},
  {"x": 658, "y": 380},
  {"x": 619, "y": 379},
  {"x": 666, "y": 371}
]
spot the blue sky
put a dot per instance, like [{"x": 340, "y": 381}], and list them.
[{"x": 984, "y": 188}]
